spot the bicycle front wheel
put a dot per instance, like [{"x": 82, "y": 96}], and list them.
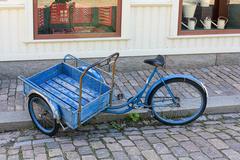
[{"x": 177, "y": 102}]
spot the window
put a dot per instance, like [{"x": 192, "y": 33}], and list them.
[
  {"x": 209, "y": 17},
  {"x": 57, "y": 19}
]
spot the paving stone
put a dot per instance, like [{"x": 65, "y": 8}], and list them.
[
  {"x": 52, "y": 145},
  {"x": 66, "y": 147},
  {"x": 168, "y": 157},
  {"x": 170, "y": 142},
  {"x": 199, "y": 156},
  {"x": 138, "y": 137},
  {"x": 231, "y": 154},
  {"x": 161, "y": 148},
  {"x": 120, "y": 156},
  {"x": 39, "y": 150},
  {"x": 41, "y": 157},
  {"x": 54, "y": 152},
  {"x": 233, "y": 144},
  {"x": 41, "y": 141},
  {"x": 132, "y": 151},
  {"x": 155, "y": 131},
  {"x": 85, "y": 150},
  {"x": 89, "y": 157},
  {"x": 179, "y": 152},
  {"x": 185, "y": 158},
  {"x": 217, "y": 143},
  {"x": 20, "y": 144},
  {"x": 27, "y": 147},
  {"x": 134, "y": 157},
  {"x": 162, "y": 135},
  {"x": 57, "y": 158},
  {"x": 199, "y": 141},
  {"x": 13, "y": 157},
  {"x": 102, "y": 153},
  {"x": 223, "y": 136},
  {"x": 214, "y": 117},
  {"x": 28, "y": 154},
  {"x": 231, "y": 115},
  {"x": 232, "y": 132},
  {"x": 126, "y": 143},
  {"x": 13, "y": 151},
  {"x": 97, "y": 145},
  {"x": 72, "y": 155},
  {"x": 189, "y": 134},
  {"x": 114, "y": 147},
  {"x": 109, "y": 140},
  {"x": 63, "y": 139},
  {"x": 150, "y": 154},
  {"x": 143, "y": 145},
  {"x": 206, "y": 135},
  {"x": 132, "y": 133},
  {"x": 211, "y": 130},
  {"x": 211, "y": 152},
  {"x": 25, "y": 138},
  {"x": 3, "y": 156},
  {"x": 79, "y": 143},
  {"x": 189, "y": 146},
  {"x": 179, "y": 137},
  {"x": 153, "y": 139},
  {"x": 2, "y": 150},
  {"x": 41, "y": 136}
]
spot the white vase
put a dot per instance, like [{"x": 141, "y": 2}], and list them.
[
  {"x": 189, "y": 9},
  {"x": 205, "y": 3}
]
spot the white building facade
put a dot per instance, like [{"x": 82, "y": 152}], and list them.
[{"x": 148, "y": 27}]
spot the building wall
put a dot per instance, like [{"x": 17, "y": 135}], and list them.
[{"x": 149, "y": 28}]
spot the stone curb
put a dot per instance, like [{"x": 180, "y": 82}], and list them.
[{"x": 216, "y": 105}]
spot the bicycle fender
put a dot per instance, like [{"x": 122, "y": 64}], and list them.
[
  {"x": 94, "y": 73},
  {"x": 52, "y": 105},
  {"x": 173, "y": 76}
]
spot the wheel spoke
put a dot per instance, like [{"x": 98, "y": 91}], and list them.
[
  {"x": 42, "y": 116},
  {"x": 190, "y": 102}
]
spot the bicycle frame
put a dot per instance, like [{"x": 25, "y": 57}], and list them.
[{"x": 136, "y": 100}]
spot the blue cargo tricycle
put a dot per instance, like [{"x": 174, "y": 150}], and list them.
[{"x": 72, "y": 92}]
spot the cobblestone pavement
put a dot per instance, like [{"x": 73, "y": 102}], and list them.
[
  {"x": 220, "y": 81},
  {"x": 212, "y": 137}
]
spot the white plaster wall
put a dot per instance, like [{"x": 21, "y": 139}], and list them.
[{"x": 149, "y": 28}]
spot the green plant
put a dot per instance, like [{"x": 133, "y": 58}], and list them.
[
  {"x": 117, "y": 126},
  {"x": 134, "y": 117}
]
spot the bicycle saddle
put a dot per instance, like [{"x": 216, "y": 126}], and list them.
[{"x": 157, "y": 62}]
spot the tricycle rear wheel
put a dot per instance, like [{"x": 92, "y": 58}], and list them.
[
  {"x": 42, "y": 115},
  {"x": 190, "y": 101}
]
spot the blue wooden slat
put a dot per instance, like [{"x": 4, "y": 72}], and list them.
[
  {"x": 59, "y": 95},
  {"x": 47, "y": 74},
  {"x": 86, "y": 88},
  {"x": 66, "y": 92},
  {"x": 72, "y": 88}
]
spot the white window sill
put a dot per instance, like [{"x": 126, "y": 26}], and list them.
[
  {"x": 11, "y": 5},
  {"x": 151, "y": 2},
  {"x": 76, "y": 40},
  {"x": 203, "y": 36}
]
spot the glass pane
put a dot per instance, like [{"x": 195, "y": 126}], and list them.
[
  {"x": 234, "y": 14},
  {"x": 77, "y": 16},
  {"x": 198, "y": 14},
  {"x": 210, "y": 14}
]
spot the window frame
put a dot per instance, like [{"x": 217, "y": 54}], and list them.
[
  {"x": 37, "y": 36},
  {"x": 200, "y": 32}
]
